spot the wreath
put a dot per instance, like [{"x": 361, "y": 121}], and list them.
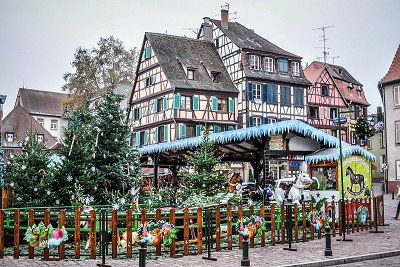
[
  {"x": 45, "y": 236},
  {"x": 251, "y": 226},
  {"x": 153, "y": 233}
]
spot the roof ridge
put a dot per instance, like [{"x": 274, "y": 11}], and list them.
[
  {"x": 178, "y": 36},
  {"x": 41, "y": 90},
  {"x": 391, "y": 71}
]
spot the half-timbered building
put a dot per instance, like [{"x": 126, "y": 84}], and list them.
[
  {"x": 181, "y": 87},
  {"x": 270, "y": 80},
  {"x": 334, "y": 88}
]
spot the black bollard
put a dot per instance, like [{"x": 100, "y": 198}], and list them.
[
  {"x": 392, "y": 195},
  {"x": 142, "y": 254},
  {"x": 103, "y": 219},
  {"x": 245, "y": 258},
  {"x": 328, "y": 241}
]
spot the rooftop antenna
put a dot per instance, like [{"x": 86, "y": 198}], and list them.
[
  {"x": 232, "y": 15},
  {"x": 194, "y": 30},
  {"x": 333, "y": 59},
  {"x": 324, "y": 39}
]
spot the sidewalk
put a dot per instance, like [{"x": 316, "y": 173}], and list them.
[{"x": 363, "y": 243}]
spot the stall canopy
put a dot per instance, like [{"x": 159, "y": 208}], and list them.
[{"x": 333, "y": 154}]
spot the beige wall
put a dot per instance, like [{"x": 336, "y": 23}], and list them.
[{"x": 61, "y": 123}]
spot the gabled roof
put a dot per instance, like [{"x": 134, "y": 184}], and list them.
[
  {"x": 40, "y": 102},
  {"x": 393, "y": 74},
  {"x": 175, "y": 53},
  {"x": 333, "y": 154},
  {"x": 20, "y": 122},
  {"x": 247, "y": 38}
]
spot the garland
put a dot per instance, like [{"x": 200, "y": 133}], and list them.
[
  {"x": 45, "y": 236},
  {"x": 153, "y": 233},
  {"x": 251, "y": 226},
  {"x": 362, "y": 214}
]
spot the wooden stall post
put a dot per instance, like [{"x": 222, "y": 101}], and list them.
[
  {"x": 114, "y": 237},
  {"x": 340, "y": 216},
  {"x": 333, "y": 218},
  {"x": 352, "y": 215},
  {"x": 362, "y": 203},
  {"x": 296, "y": 223},
  {"x": 200, "y": 231},
  {"x": 262, "y": 215},
  {"x": 31, "y": 250},
  {"x": 2, "y": 218},
  {"x": 273, "y": 225},
  {"x": 218, "y": 228},
  {"x": 129, "y": 225},
  {"x": 61, "y": 248},
  {"x": 283, "y": 219},
  {"x": 311, "y": 226},
  {"x": 158, "y": 218},
  {"x": 252, "y": 239},
  {"x": 92, "y": 234},
  {"x": 356, "y": 207},
  {"x": 77, "y": 235},
  {"x": 186, "y": 231},
  {"x": 369, "y": 213},
  {"x": 229, "y": 226},
  {"x": 304, "y": 221},
  {"x": 16, "y": 234},
  {"x": 172, "y": 247},
  {"x": 240, "y": 216},
  {"x": 347, "y": 222},
  {"x": 46, "y": 252}
]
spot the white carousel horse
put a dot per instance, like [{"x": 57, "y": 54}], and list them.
[{"x": 302, "y": 180}]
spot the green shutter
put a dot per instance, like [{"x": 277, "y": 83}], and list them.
[
  {"x": 166, "y": 131},
  {"x": 198, "y": 130},
  {"x": 137, "y": 139},
  {"x": 132, "y": 114},
  {"x": 146, "y": 137},
  {"x": 177, "y": 101},
  {"x": 214, "y": 103},
  {"x": 231, "y": 105},
  {"x": 196, "y": 102},
  {"x": 140, "y": 113},
  {"x": 216, "y": 128},
  {"x": 155, "y": 103},
  {"x": 156, "y": 135},
  {"x": 182, "y": 131},
  {"x": 147, "y": 53},
  {"x": 165, "y": 103}
]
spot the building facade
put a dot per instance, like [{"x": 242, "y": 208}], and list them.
[
  {"x": 389, "y": 87},
  {"x": 181, "y": 87},
  {"x": 334, "y": 88},
  {"x": 376, "y": 144}
]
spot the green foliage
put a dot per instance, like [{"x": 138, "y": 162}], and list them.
[
  {"x": 2, "y": 175},
  {"x": 31, "y": 175},
  {"x": 363, "y": 129}
]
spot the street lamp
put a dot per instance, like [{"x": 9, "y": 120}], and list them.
[{"x": 339, "y": 120}]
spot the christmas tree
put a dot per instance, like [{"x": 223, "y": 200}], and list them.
[
  {"x": 363, "y": 129},
  {"x": 2, "y": 176},
  {"x": 30, "y": 175}
]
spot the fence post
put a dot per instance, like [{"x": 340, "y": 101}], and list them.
[
  {"x": 218, "y": 228},
  {"x": 369, "y": 213},
  {"x": 61, "y": 248},
  {"x": 273, "y": 225},
  {"x": 93, "y": 234},
  {"x": 200, "y": 230},
  {"x": 31, "y": 250},
  {"x": 304, "y": 220},
  {"x": 103, "y": 230},
  {"x": 158, "y": 218},
  {"x": 16, "y": 234},
  {"x": 129, "y": 225},
  {"x": 283, "y": 221},
  {"x": 311, "y": 226},
  {"x": 340, "y": 216},
  {"x": 296, "y": 223},
  {"x": 46, "y": 252},
  {"x": 114, "y": 234},
  {"x": 353, "y": 204},
  {"x": 262, "y": 215},
  {"x": 333, "y": 218},
  {"x": 172, "y": 221},
  {"x": 347, "y": 222},
  {"x": 186, "y": 231},
  {"x": 240, "y": 216},
  {"x": 77, "y": 235},
  {"x": 229, "y": 218},
  {"x": 2, "y": 218}
]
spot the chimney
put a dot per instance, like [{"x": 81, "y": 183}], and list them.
[
  {"x": 224, "y": 17},
  {"x": 207, "y": 29}
]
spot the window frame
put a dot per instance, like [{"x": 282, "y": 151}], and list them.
[
  {"x": 397, "y": 132},
  {"x": 51, "y": 124},
  {"x": 147, "y": 53},
  {"x": 40, "y": 121},
  {"x": 222, "y": 105},
  {"x": 160, "y": 134},
  {"x": 215, "y": 77},
  {"x": 256, "y": 87},
  {"x": 330, "y": 113},
  {"x": 269, "y": 64},
  {"x": 323, "y": 92},
  {"x": 192, "y": 72},
  {"x": 285, "y": 62},
  {"x": 186, "y": 102},
  {"x": 253, "y": 60},
  {"x": 396, "y": 103},
  {"x": 310, "y": 108},
  {"x": 41, "y": 140},
  {"x": 296, "y": 69},
  {"x": 285, "y": 99},
  {"x": 297, "y": 98},
  {"x": 9, "y": 137},
  {"x": 256, "y": 119}
]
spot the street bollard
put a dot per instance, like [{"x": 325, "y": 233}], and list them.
[
  {"x": 328, "y": 241},
  {"x": 245, "y": 258},
  {"x": 142, "y": 254},
  {"x": 393, "y": 195}
]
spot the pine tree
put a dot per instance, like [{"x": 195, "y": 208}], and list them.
[
  {"x": 2, "y": 175},
  {"x": 30, "y": 175},
  {"x": 363, "y": 129}
]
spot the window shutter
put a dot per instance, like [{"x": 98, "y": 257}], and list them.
[
  {"x": 231, "y": 105},
  {"x": 156, "y": 135},
  {"x": 216, "y": 128},
  {"x": 274, "y": 90},
  {"x": 166, "y": 131},
  {"x": 146, "y": 137},
  {"x": 165, "y": 103},
  {"x": 265, "y": 120},
  {"x": 249, "y": 91},
  {"x": 177, "y": 101},
  {"x": 155, "y": 105},
  {"x": 182, "y": 131},
  {"x": 230, "y": 128},
  {"x": 196, "y": 103},
  {"x": 198, "y": 130},
  {"x": 132, "y": 114},
  {"x": 214, "y": 103},
  {"x": 140, "y": 113},
  {"x": 137, "y": 137},
  {"x": 264, "y": 92},
  {"x": 250, "y": 122}
]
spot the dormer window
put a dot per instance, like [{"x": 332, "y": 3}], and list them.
[
  {"x": 254, "y": 62},
  {"x": 351, "y": 88},
  {"x": 215, "y": 77},
  {"x": 269, "y": 64},
  {"x": 40, "y": 138},
  {"x": 53, "y": 124},
  {"x": 283, "y": 66},
  {"x": 190, "y": 74},
  {"x": 10, "y": 137},
  {"x": 295, "y": 68},
  {"x": 40, "y": 121},
  {"x": 359, "y": 91}
]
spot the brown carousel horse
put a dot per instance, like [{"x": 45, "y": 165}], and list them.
[{"x": 233, "y": 181}]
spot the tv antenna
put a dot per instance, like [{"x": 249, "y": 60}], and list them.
[
  {"x": 333, "y": 59},
  {"x": 194, "y": 30},
  {"x": 324, "y": 39},
  {"x": 226, "y": 7}
]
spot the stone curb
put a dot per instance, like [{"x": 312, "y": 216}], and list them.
[{"x": 347, "y": 260}]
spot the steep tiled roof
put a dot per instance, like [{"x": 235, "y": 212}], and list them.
[
  {"x": 19, "y": 122},
  {"x": 393, "y": 73},
  {"x": 247, "y": 38},
  {"x": 175, "y": 52},
  {"x": 42, "y": 102}
]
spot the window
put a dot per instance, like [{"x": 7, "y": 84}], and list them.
[
  {"x": 283, "y": 66},
  {"x": 54, "y": 125},
  {"x": 359, "y": 91},
  {"x": 272, "y": 94},
  {"x": 397, "y": 131},
  {"x": 136, "y": 114},
  {"x": 222, "y": 105},
  {"x": 254, "y": 62},
  {"x": 186, "y": 102},
  {"x": 256, "y": 91},
  {"x": 269, "y": 64},
  {"x": 147, "y": 52},
  {"x": 396, "y": 95},
  {"x": 148, "y": 81},
  {"x": 257, "y": 121},
  {"x": 40, "y": 121},
  {"x": 161, "y": 134},
  {"x": 285, "y": 95},
  {"x": 190, "y": 74},
  {"x": 40, "y": 138},
  {"x": 215, "y": 77},
  {"x": 160, "y": 104},
  {"x": 295, "y": 68},
  {"x": 381, "y": 140},
  {"x": 299, "y": 97},
  {"x": 313, "y": 112},
  {"x": 10, "y": 137},
  {"x": 324, "y": 90},
  {"x": 333, "y": 113},
  {"x": 351, "y": 88}
]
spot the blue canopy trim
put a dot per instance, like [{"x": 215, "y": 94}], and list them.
[
  {"x": 333, "y": 154},
  {"x": 246, "y": 134}
]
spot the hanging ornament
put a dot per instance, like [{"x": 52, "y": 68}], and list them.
[
  {"x": 97, "y": 136},
  {"x": 74, "y": 138}
]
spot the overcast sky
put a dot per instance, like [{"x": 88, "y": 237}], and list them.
[{"x": 38, "y": 38}]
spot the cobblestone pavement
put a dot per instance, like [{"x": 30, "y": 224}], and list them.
[{"x": 363, "y": 243}]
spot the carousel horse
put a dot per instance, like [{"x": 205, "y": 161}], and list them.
[
  {"x": 233, "y": 183},
  {"x": 355, "y": 179},
  {"x": 302, "y": 180}
]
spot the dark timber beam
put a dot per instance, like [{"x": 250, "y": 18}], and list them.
[{"x": 155, "y": 172}]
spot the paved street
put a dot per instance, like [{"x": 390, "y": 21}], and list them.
[{"x": 363, "y": 243}]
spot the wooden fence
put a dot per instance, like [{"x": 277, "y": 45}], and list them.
[{"x": 84, "y": 226}]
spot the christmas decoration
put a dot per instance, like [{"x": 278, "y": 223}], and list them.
[
  {"x": 45, "y": 236},
  {"x": 361, "y": 214},
  {"x": 363, "y": 129},
  {"x": 318, "y": 219},
  {"x": 153, "y": 233},
  {"x": 251, "y": 226}
]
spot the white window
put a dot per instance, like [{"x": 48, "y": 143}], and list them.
[
  {"x": 295, "y": 68},
  {"x": 256, "y": 121},
  {"x": 381, "y": 140},
  {"x": 190, "y": 74},
  {"x": 10, "y": 137},
  {"x": 186, "y": 102},
  {"x": 40, "y": 121},
  {"x": 254, "y": 62},
  {"x": 257, "y": 91},
  {"x": 269, "y": 64},
  {"x": 40, "y": 138},
  {"x": 396, "y": 94},
  {"x": 54, "y": 125},
  {"x": 397, "y": 131}
]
